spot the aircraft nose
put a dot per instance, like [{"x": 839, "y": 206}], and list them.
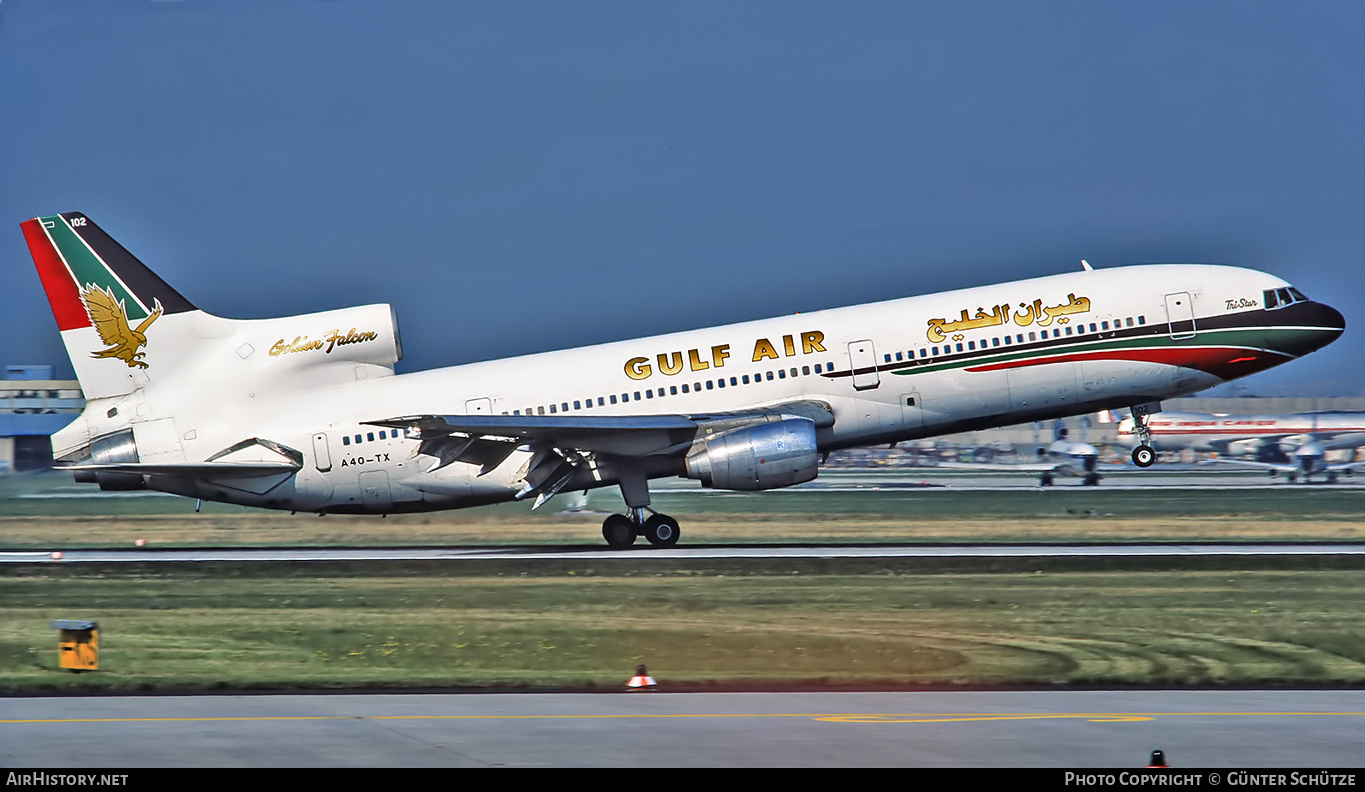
[
  {"x": 1329, "y": 317},
  {"x": 1324, "y": 324},
  {"x": 1330, "y": 320},
  {"x": 1301, "y": 328}
]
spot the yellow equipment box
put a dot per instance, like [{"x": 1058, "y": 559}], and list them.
[{"x": 79, "y": 645}]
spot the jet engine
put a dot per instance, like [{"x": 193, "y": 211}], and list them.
[
  {"x": 107, "y": 450},
  {"x": 363, "y": 334},
  {"x": 764, "y": 456}
]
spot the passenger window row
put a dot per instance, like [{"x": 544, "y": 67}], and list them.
[
  {"x": 384, "y": 434},
  {"x": 926, "y": 353},
  {"x": 675, "y": 390}
]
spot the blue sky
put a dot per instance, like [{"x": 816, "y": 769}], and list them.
[{"x": 522, "y": 176}]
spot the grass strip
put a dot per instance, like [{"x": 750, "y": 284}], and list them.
[{"x": 415, "y": 627}]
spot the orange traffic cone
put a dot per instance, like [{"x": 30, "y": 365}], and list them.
[
  {"x": 641, "y": 681},
  {"x": 1158, "y": 759}
]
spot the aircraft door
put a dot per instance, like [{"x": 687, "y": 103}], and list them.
[
  {"x": 1180, "y": 313},
  {"x": 374, "y": 489},
  {"x": 862, "y": 361},
  {"x": 322, "y": 453},
  {"x": 912, "y": 410},
  {"x": 479, "y": 407}
]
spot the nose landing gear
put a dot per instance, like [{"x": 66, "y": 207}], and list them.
[{"x": 1144, "y": 455}]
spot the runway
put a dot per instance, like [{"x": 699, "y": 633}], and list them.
[
  {"x": 645, "y": 553},
  {"x": 1056, "y": 729},
  {"x": 1111, "y": 477}
]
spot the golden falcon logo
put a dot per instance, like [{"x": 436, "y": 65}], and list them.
[{"x": 111, "y": 321}]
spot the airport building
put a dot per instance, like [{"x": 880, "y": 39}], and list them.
[{"x": 33, "y": 405}]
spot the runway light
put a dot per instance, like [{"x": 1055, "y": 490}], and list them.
[
  {"x": 139, "y": 543},
  {"x": 1158, "y": 759},
  {"x": 55, "y": 555}
]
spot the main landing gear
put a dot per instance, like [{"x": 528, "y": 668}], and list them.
[
  {"x": 620, "y": 530},
  {"x": 1144, "y": 455},
  {"x": 660, "y": 530}
]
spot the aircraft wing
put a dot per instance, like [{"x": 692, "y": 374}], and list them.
[
  {"x": 1277, "y": 466},
  {"x": 1339, "y": 440},
  {"x": 1289, "y": 468},
  {"x": 1022, "y": 467},
  {"x": 487, "y": 440},
  {"x": 1222, "y": 445}
]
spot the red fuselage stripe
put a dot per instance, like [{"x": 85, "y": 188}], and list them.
[{"x": 1210, "y": 359}]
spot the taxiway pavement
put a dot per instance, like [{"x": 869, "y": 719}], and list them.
[{"x": 1059, "y": 729}]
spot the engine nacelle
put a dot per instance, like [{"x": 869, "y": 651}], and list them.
[
  {"x": 118, "y": 482},
  {"x": 363, "y": 334},
  {"x": 765, "y": 456}
]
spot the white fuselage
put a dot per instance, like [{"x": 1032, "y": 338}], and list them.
[{"x": 890, "y": 371}]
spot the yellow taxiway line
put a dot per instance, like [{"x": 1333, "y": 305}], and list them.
[{"x": 860, "y": 718}]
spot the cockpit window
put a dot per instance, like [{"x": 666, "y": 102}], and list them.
[{"x": 1278, "y": 298}]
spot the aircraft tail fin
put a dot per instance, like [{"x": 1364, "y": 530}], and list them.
[{"x": 105, "y": 302}]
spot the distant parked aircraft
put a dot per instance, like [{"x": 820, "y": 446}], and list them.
[
  {"x": 1294, "y": 444},
  {"x": 1063, "y": 457}
]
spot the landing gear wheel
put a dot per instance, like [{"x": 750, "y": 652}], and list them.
[
  {"x": 1045, "y": 480},
  {"x": 661, "y": 530},
  {"x": 1144, "y": 456},
  {"x": 619, "y": 531},
  {"x": 1091, "y": 480}
]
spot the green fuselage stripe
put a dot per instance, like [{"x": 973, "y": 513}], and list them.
[{"x": 1270, "y": 338}]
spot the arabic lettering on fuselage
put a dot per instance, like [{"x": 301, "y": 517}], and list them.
[{"x": 1028, "y": 314}]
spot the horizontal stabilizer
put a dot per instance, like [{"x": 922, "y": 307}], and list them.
[{"x": 217, "y": 470}]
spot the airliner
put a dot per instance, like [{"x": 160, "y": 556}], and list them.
[
  {"x": 1295, "y": 445},
  {"x": 1269, "y": 437},
  {"x": 306, "y": 413}
]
